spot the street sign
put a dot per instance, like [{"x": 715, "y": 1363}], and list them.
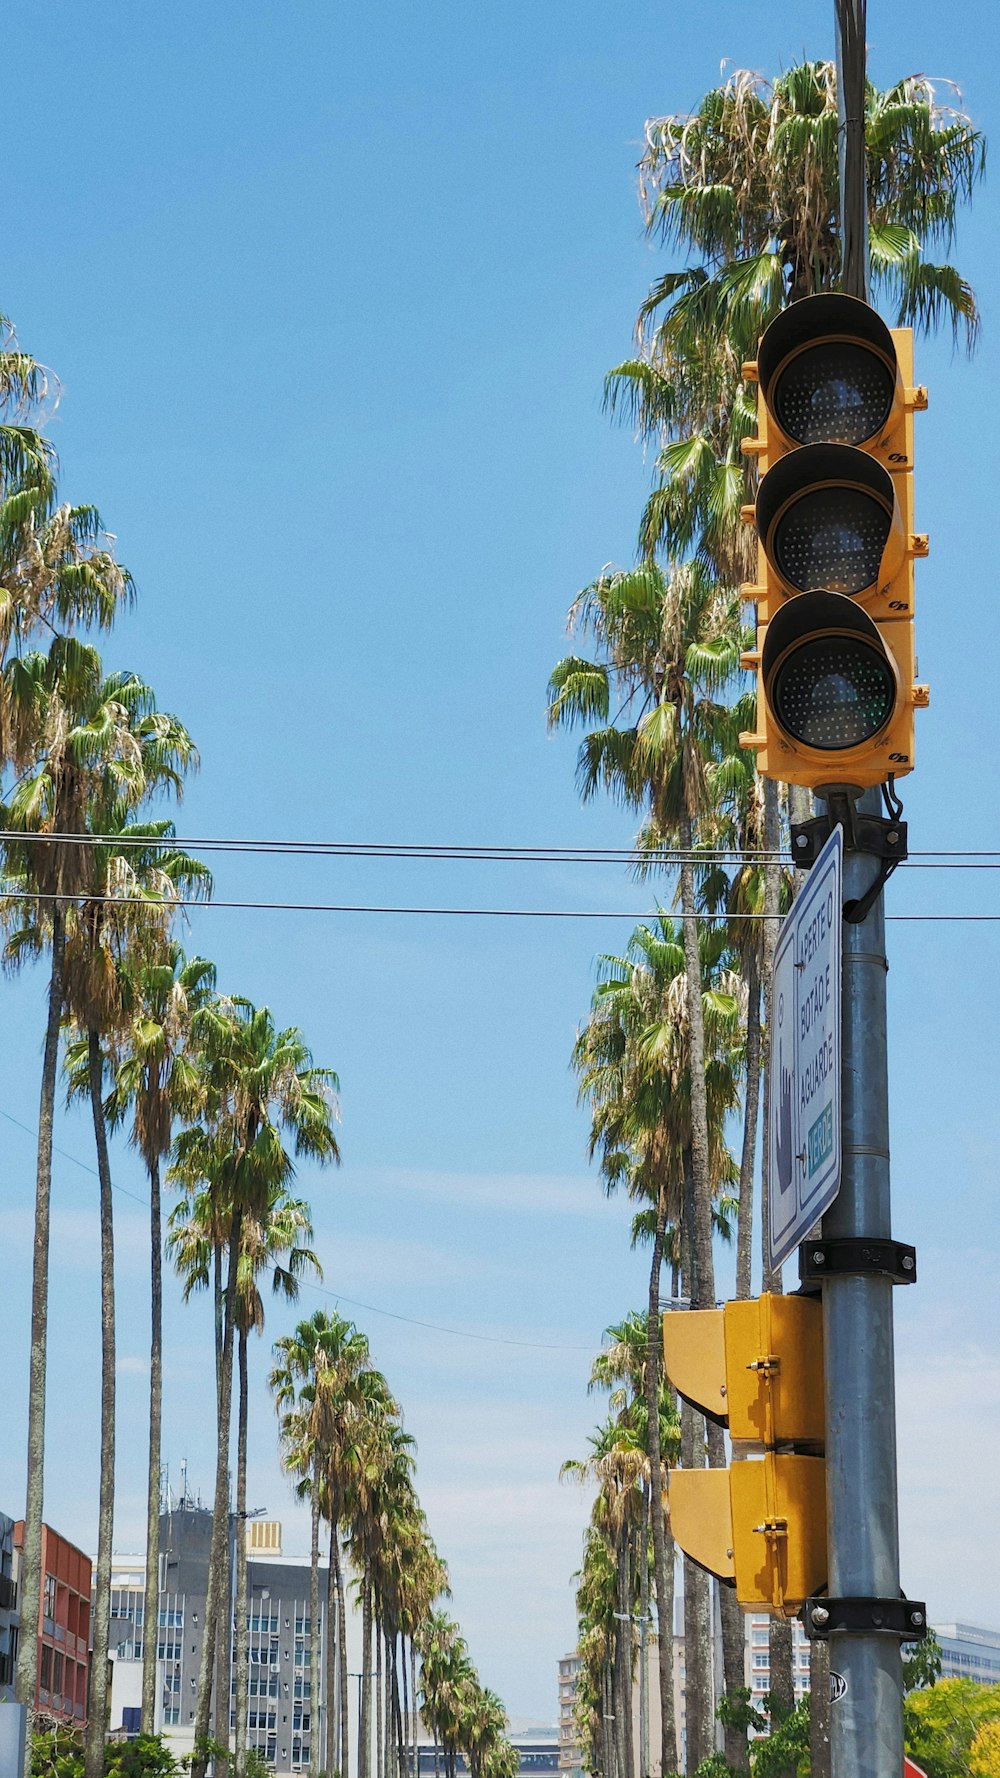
[
  {"x": 912, "y": 1771},
  {"x": 804, "y": 1124}
]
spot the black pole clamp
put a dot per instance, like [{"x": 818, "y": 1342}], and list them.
[
  {"x": 858, "y": 1254},
  {"x": 904, "y": 1618},
  {"x": 881, "y": 838}
]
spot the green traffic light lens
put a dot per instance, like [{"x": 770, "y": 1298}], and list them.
[
  {"x": 833, "y": 692},
  {"x": 832, "y": 539},
  {"x": 835, "y": 392}
]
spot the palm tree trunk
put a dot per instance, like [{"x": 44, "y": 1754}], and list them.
[
  {"x": 703, "y": 1265},
  {"x": 97, "y": 1719},
  {"x": 225, "y": 1628},
  {"x": 397, "y": 1717},
  {"x": 819, "y": 1709},
  {"x": 623, "y": 1704},
  {"x": 364, "y": 1715},
  {"x": 220, "y": 1515},
  {"x": 699, "y": 1662},
  {"x": 31, "y": 1557},
  {"x": 242, "y": 1610},
  {"x": 379, "y": 1719},
  {"x": 643, "y": 1636},
  {"x": 331, "y": 1758},
  {"x": 341, "y": 1639},
  {"x": 315, "y": 1651},
  {"x": 151, "y": 1600},
  {"x": 415, "y": 1709},
  {"x": 663, "y": 1560},
  {"x": 748, "y": 1157},
  {"x": 733, "y": 1634},
  {"x": 607, "y": 1722}
]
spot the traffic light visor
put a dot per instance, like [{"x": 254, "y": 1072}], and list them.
[
  {"x": 827, "y": 674},
  {"x": 825, "y": 516},
  {"x": 828, "y": 371}
]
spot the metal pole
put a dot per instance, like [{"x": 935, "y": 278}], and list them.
[
  {"x": 866, "y": 1724},
  {"x": 850, "y": 23}
]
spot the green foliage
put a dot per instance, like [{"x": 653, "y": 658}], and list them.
[
  {"x": 256, "y": 1764},
  {"x": 943, "y": 1722},
  {"x": 786, "y": 1748},
  {"x": 148, "y": 1756},
  {"x": 922, "y": 1666},
  {"x": 59, "y": 1754}
]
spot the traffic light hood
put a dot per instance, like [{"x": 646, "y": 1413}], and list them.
[
  {"x": 828, "y": 372},
  {"x": 828, "y": 519}
]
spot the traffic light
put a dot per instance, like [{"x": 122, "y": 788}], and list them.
[
  {"x": 760, "y": 1525},
  {"x": 835, "y": 653}
]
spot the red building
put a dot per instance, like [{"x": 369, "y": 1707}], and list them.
[{"x": 63, "y": 1627}]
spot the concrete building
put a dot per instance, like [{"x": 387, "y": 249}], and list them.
[
  {"x": 281, "y": 1711},
  {"x": 8, "y": 1611},
  {"x": 63, "y": 1626},
  {"x": 537, "y": 1746},
  {"x": 968, "y": 1652},
  {"x": 758, "y": 1658}
]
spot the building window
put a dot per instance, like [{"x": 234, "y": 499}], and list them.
[
  {"x": 49, "y": 1606},
  {"x": 46, "y": 1674}
]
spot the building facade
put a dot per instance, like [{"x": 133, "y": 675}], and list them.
[
  {"x": 969, "y": 1652},
  {"x": 278, "y": 1629},
  {"x": 63, "y": 1626},
  {"x": 8, "y": 1611}
]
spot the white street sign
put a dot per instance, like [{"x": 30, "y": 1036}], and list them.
[{"x": 804, "y": 1124}]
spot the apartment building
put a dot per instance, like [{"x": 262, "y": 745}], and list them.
[
  {"x": 63, "y": 1626},
  {"x": 282, "y": 1714}
]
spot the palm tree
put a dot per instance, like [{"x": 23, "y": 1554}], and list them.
[
  {"x": 260, "y": 1089},
  {"x": 634, "y": 1066},
  {"x": 748, "y": 186},
  {"x": 154, "y": 1080},
  {"x": 316, "y": 1384},
  {"x": 272, "y": 1244},
  {"x": 72, "y": 738}
]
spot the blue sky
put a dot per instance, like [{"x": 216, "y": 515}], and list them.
[{"x": 331, "y": 292}]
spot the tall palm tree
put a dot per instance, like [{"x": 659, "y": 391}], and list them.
[
  {"x": 274, "y": 1244},
  {"x": 154, "y": 1080},
  {"x": 316, "y": 1384},
  {"x": 261, "y": 1090},
  {"x": 70, "y": 737},
  {"x": 633, "y": 1058}
]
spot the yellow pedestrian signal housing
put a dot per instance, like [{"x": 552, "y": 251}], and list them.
[
  {"x": 756, "y": 1366},
  {"x": 760, "y": 1526},
  {"x": 836, "y": 684}
]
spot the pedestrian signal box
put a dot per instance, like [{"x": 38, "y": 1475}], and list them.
[{"x": 755, "y": 1366}]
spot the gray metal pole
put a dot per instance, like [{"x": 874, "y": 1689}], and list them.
[
  {"x": 851, "y": 20},
  {"x": 866, "y": 1724}
]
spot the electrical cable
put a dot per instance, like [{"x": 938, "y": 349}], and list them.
[
  {"x": 459, "y": 1333},
  {"x": 337, "y": 907}
]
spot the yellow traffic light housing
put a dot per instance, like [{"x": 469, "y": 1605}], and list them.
[
  {"x": 760, "y": 1526},
  {"x": 756, "y": 1366},
  {"x": 834, "y": 518}
]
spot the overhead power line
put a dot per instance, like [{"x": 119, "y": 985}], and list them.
[
  {"x": 458, "y": 1333},
  {"x": 462, "y": 913}
]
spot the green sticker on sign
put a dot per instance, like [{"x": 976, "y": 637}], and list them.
[{"x": 820, "y": 1138}]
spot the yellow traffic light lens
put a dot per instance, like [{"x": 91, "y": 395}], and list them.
[
  {"x": 835, "y": 392},
  {"x": 831, "y": 538},
  {"x": 833, "y": 692}
]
